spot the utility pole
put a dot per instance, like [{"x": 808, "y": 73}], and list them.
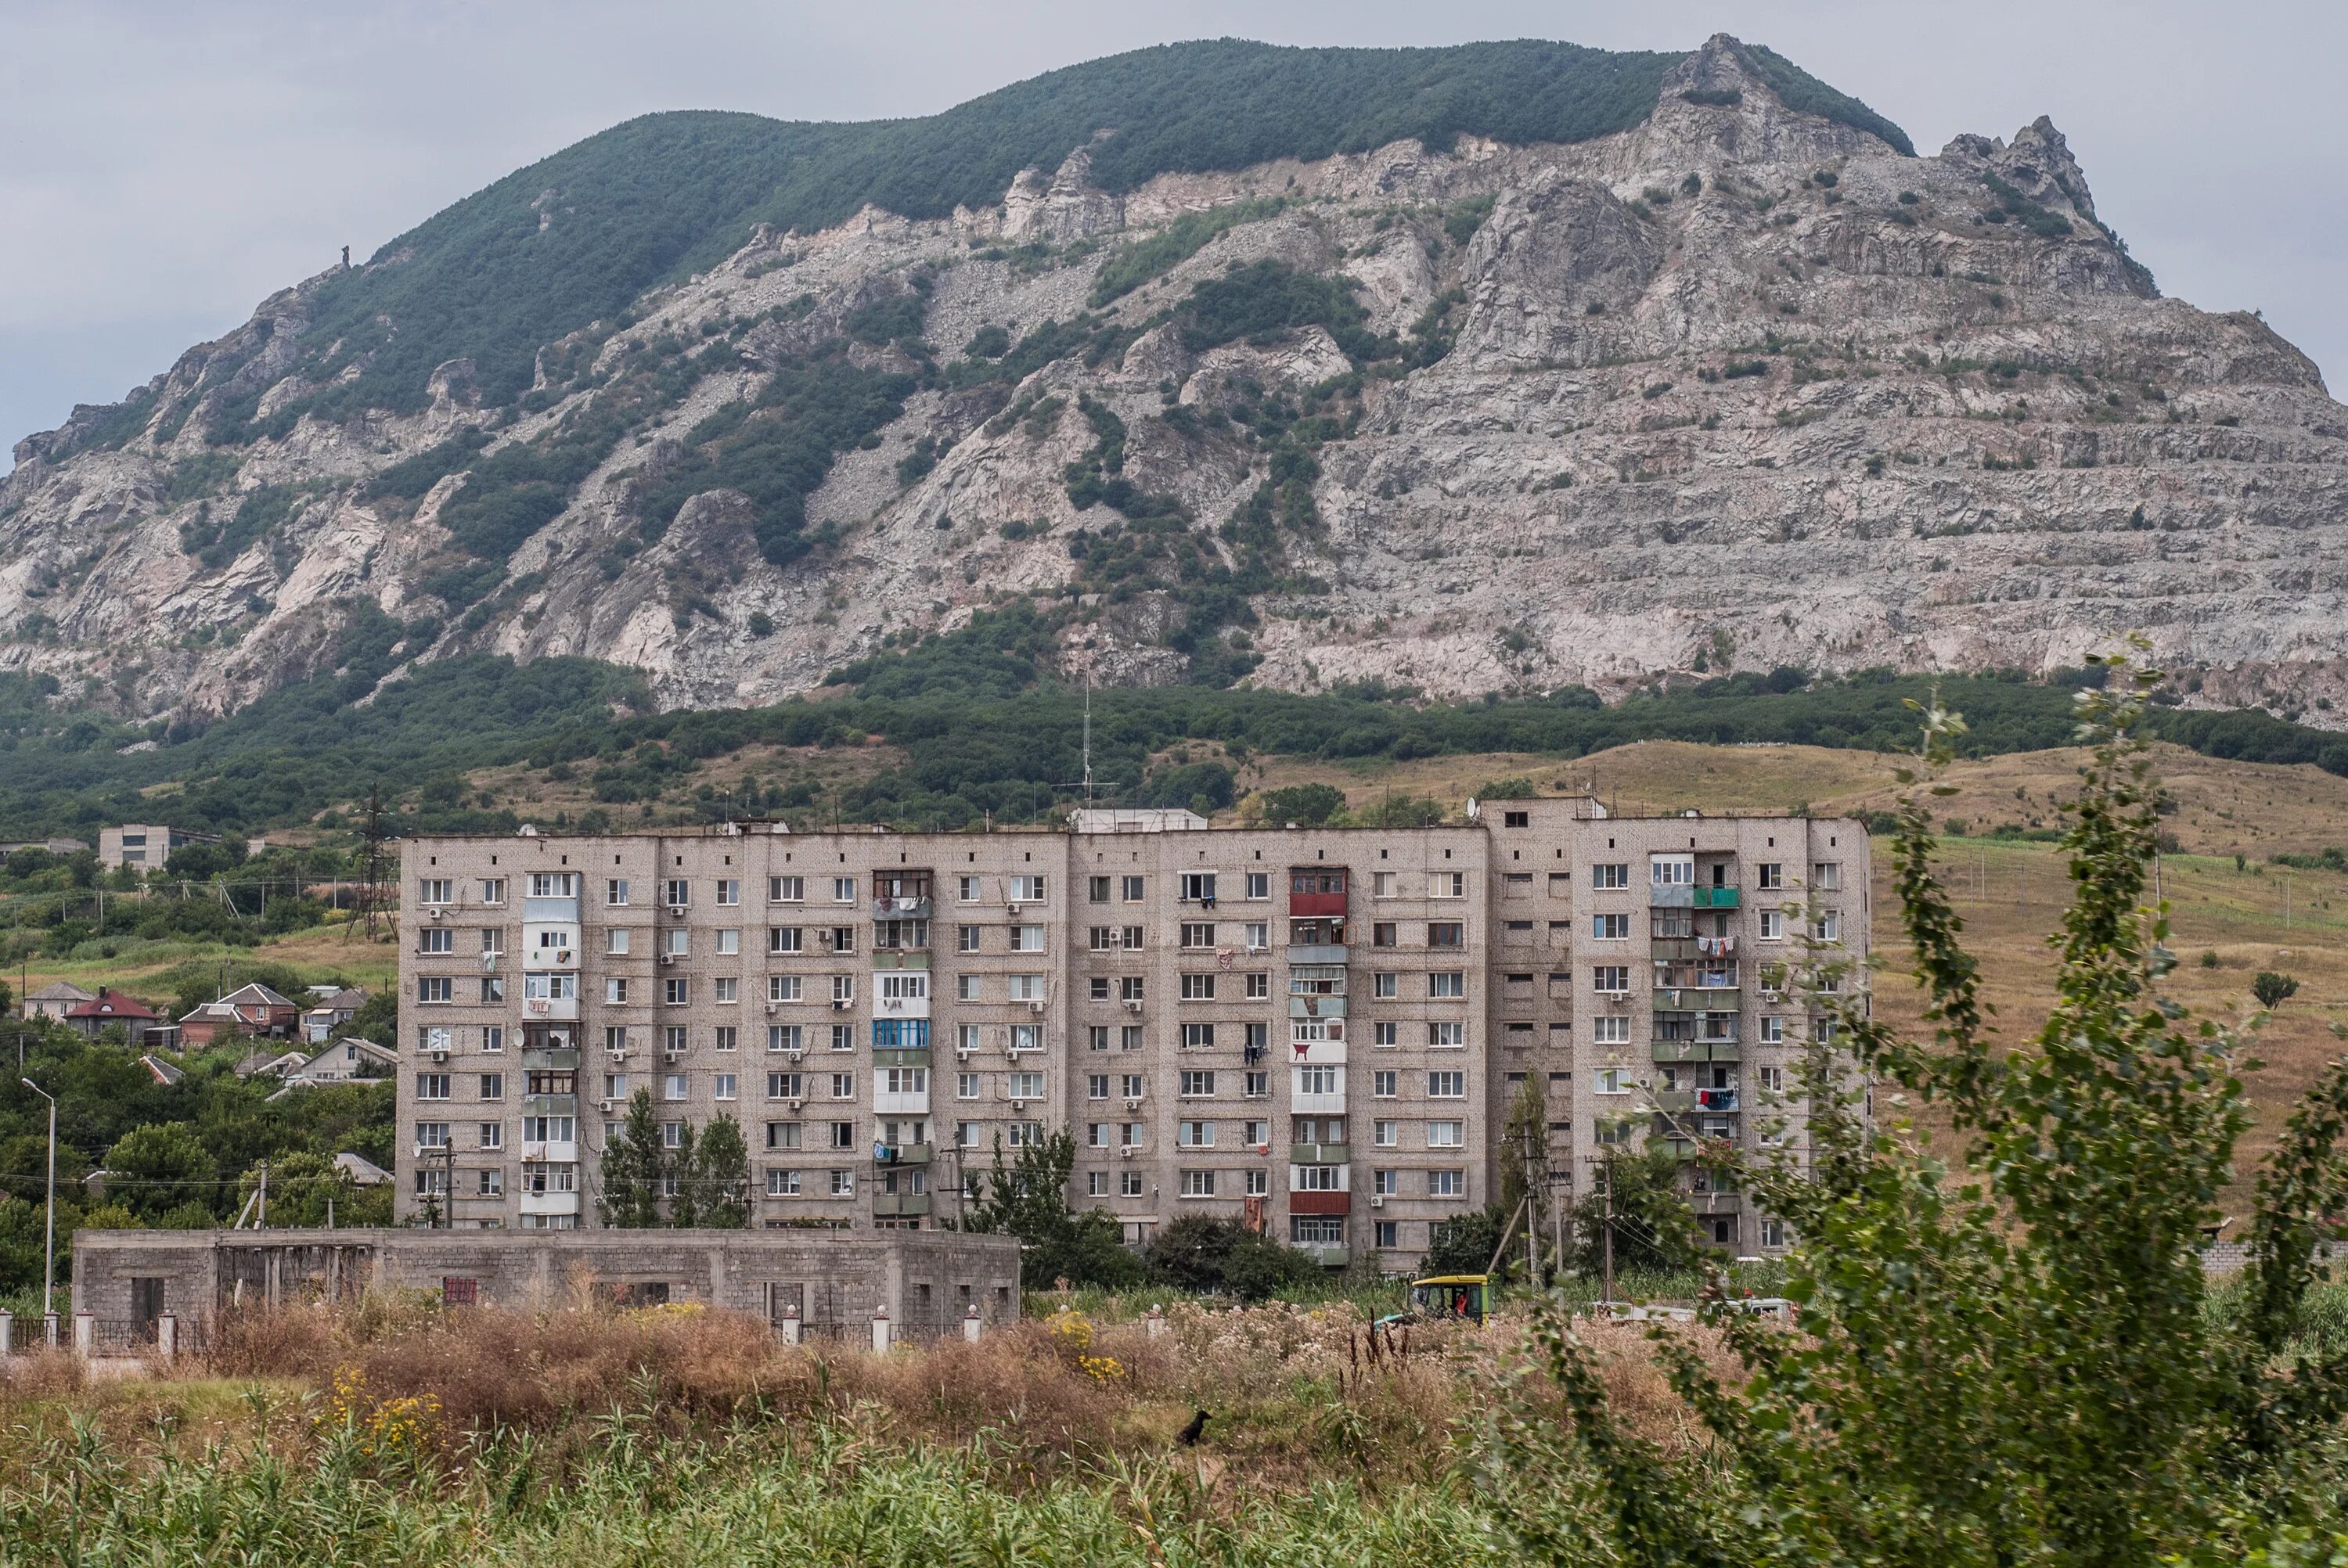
[
  {"x": 2286, "y": 900},
  {"x": 260, "y": 1220},
  {"x": 50, "y": 1237}
]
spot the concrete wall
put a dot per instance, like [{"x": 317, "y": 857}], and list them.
[{"x": 927, "y": 1279}]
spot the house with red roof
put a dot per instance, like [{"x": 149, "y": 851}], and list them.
[{"x": 112, "y": 1007}]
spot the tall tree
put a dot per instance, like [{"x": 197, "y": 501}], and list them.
[
  {"x": 633, "y": 1165},
  {"x": 721, "y": 1177},
  {"x": 1026, "y": 1195},
  {"x": 681, "y": 1179}
]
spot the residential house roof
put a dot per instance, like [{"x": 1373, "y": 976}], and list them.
[
  {"x": 110, "y": 1004},
  {"x": 61, "y": 992},
  {"x": 162, "y": 1070},
  {"x": 275, "y": 1063},
  {"x": 255, "y": 994},
  {"x": 363, "y": 1172}
]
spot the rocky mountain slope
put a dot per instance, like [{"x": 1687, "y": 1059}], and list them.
[{"x": 1724, "y": 377}]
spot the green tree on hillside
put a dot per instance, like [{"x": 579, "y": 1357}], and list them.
[{"x": 159, "y": 1168}]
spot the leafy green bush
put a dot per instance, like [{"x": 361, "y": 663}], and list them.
[
  {"x": 1138, "y": 262},
  {"x": 1970, "y": 1383},
  {"x": 1307, "y": 804},
  {"x": 1211, "y": 1256}
]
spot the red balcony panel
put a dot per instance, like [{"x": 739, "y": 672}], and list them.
[
  {"x": 1320, "y": 1202},
  {"x": 1316, "y": 903}
]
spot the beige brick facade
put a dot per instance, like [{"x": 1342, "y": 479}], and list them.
[{"x": 1317, "y": 1029}]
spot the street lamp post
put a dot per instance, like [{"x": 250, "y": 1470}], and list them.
[{"x": 49, "y": 1241}]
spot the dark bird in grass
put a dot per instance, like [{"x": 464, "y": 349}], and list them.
[{"x": 1189, "y": 1436}]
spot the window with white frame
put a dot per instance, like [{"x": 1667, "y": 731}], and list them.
[
  {"x": 1385, "y": 1084},
  {"x": 1610, "y": 1081},
  {"x": 1446, "y": 1036},
  {"x": 1605, "y": 1030},
  {"x": 1447, "y": 985},
  {"x": 1445, "y": 1134},
  {"x": 1773, "y": 925},
  {"x": 1447, "y": 1183}
]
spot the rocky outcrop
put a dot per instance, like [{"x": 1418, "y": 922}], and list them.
[{"x": 1735, "y": 388}]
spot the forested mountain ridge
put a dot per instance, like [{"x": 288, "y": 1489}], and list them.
[{"x": 1500, "y": 368}]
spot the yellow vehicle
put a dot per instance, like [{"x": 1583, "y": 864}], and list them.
[{"x": 1444, "y": 1297}]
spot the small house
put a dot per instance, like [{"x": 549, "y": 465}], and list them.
[
  {"x": 53, "y": 1000},
  {"x": 330, "y": 1012},
  {"x": 253, "y": 1009},
  {"x": 91, "y": 1018}
]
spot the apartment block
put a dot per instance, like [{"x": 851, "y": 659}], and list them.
[{"x": 1319, "y": 1031}]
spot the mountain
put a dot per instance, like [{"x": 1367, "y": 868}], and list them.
[{"x": 1498, "y": 368}]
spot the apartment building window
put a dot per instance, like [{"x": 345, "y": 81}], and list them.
[
  {"x": 1385, "y": 934},
  {"x": 1386, "y": 1184},
  {"x": 1769, "y": 876},
  {"x": 1317, "y": 1178},
  {"x": 1024, "y": 1134},
  {"x": 1026, "y": 1037},
  {"x": 1128, "y": 1183},
  {"x": 1197, "y": 987},
  {"x": 1256, "y": 1085},
  {"x": 493, "y": 987},
  {"x": 1198, "y": 887},
  {"x": 843, "y": 889},
  {"x": 1517, "y": 885},
  {"x": 677, "y": 944},
  {"x": 786, "y": 987},
  {"x": 430, "y": 989},
  {"x": 438, "y": 940},
  {"x": 1133, "y": 889},
  {"x": 1259, "y": 885},
  {"x": 436, "y": 890},
  {"x": 724, "y": 1085},
  {"x": 1385, "y": 1135},
  {"x": 676, "y": 893},
  {"x": 1198, "y": 934},
  {"x": 1385, "y": 1084},
  {"x": 1606, "y": 1030},
  {"x": 1256, "y": 1183},
  {"x": 1385, "y": 986},
  {"x": 843, "y": 988},
  {"x": 1130, "y": 1085},
  {"x": 1101, "y": 940},
  {"x": 843, "y": 1184},
  {"x": 1772, "y": 1080},
  {"x": 785, "y": 939},
  {"x": 492, "y": 1086},
  {"x": 1446, "y": 933},
  {"x": 1096, "y": 1037},
  {"x": 1096, "y": 1086},
  {"x": 615, "y": 893},
  {"x": 1773, "y": 925},
  {"x": 1095, "y": 1184},
  {"x": 782, "y": 1183},
  {"x": 968, "y": 1085},
  {"x": 966, "y": 889},
  {"x": 1773, "y": 1233},
  {"x": 784, "y": 1086},
  {"x": 843, "y": 1037},
  {"x": 729, "y": 891},
  {"x": 1611, "y": 927},
  {"x": 1026, "y": 987},
  {"x": 1195, "y": 1134},
  {"x": 673, "y": 992},
  {"x": 1447, "y": 885},
  {"x": 1828, "y": 927},
  {"x": 1445, "y": 1134},
  {"x": 432, "y": 1086},
  {"x": 1256, "y": 935},
  {"x": 1609, "y": 875},
  {"x": 1097, "y": 889},
  {"x": 1129, "y": 1038},
  {"x": 493, "y": 1039},
  {"x": 1447, "y": 1183},
  {"x": 842, "y": 1134},
  {"x": 726, "y": 989},
  {"x": 1610, "y": 1081},
  {"x": 1385, "y": 1034},
  {"x": 1027, "y": 890},
  {"x": 1259, "y": 986},
  {"x": 1447, "y": 1086},
  {"x": 1826, "y": 877},
  {"x": 965, "y": 1037},
  {"x": 1611, "y": 977},
  {"x": 1198, "y": 1036},
  {"x": 1446, "y": 1036},
  {"x": 1026, "y": 939},
  {"x": 1444, "y": 985},
  {"x": 1197, "y": 1084}
]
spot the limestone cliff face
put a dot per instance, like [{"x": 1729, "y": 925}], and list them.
[{"x": 1736, "y": 388}]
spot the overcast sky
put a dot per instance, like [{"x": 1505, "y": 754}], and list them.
[{"x": 165, "y": 165}]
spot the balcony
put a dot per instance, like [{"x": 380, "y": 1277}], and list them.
[
  {"x": 550, "y": 1105},
  {"x": 549, "y": 911},
  {"x": 1319, "y": 1154},
  {"x": 555, "y": 1009},
  {"x": 1320, "y": 1202},
  {"x": 901, "y": 958},
  {"x": 549, "y": 1203},
  {"x": 1716, "y": 897},
  {"x": 1695, "y": 1050},
  {"x": 1696, "y": 999},
  {"x": 1302, "y": 904},
  {"x": 903, "y": 1155},
  {"x": 900, "y": 1056},
  {"x": 900, "y": 1205},
  {"x": 1317, "y": 953},
  {"x": 1718, "y": 1100},
  {"x": 900, "y": 909},
  {"x": 550, "y": 1154},
  {"x": 550, "y": 1060},
  {"x": 1670, "y": 896},
  {"x": 1328, "y": 1255}
]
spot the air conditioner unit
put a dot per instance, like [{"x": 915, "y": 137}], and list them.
[
  {"x": 1133, "y": 1004},
  {"x": 608, "y": 1106},
  {"x": 436, "y": 913},
  {"x": 962, "y": 1053},
  {"x": 1127, "y": 1150},
  {"x": 1036, "y": 1008},
  {"x": 793, "y": 1054},
  {"x": 1133, "y": 1104},
  {"x": 1377, "y": 1200},
  {"x": 772, "y": 1007},
  {"x": 678, "y": 909},
  {"x": 440, "y": 1053},
  {"x": 791, "y": 1105},
  {"x": 619, "y": 1052},
  {"x": 1019, "y": 1105},
  {"x": 668, "y": 958},
  {"x": 823, "y": 939}
]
